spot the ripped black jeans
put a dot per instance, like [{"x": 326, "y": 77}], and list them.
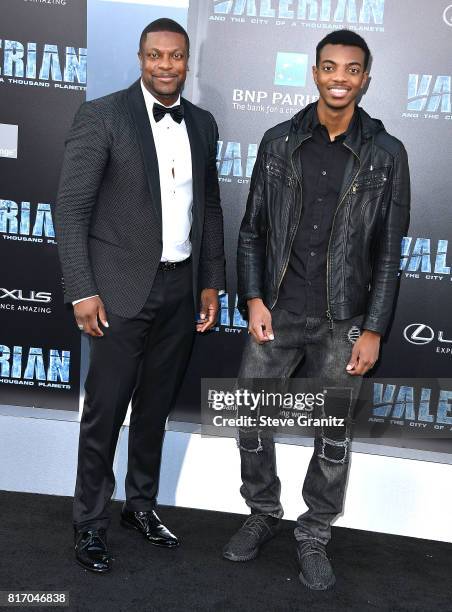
[{"x": 325, "y": 353}]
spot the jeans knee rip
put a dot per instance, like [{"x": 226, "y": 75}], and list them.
[
  {"x": 250, "y": 444},
  {"x": 334, "y": 451}
]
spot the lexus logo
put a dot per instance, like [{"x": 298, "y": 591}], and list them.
[
  {"x": 25, "y": 296},
  {"x": 447, "y": 15},
  {"x": 418, "y": 333}
]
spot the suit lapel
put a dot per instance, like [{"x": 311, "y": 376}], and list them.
[
  {"x": 198, "y": 163},
  {"x": 145, "y": 138}
]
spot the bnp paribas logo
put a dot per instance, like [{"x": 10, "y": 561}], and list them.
[
  {"x": 291, "y": 69},
  {"x": 429, "y": 96}
]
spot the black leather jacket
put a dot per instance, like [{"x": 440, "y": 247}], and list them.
[{"x": 371, "y": 217}]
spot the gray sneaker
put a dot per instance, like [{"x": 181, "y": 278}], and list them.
[
  {"x": 255, "y": 531},
  {"x": 316, "y": 572}
]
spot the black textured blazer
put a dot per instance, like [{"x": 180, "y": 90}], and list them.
[{"x": 108, "y": 210}]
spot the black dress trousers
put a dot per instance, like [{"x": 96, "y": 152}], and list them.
[{"x": 142, "y": 359}]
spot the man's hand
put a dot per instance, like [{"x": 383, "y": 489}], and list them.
[
  {"x": 259, "y": 321},
  {"x": 364, "y": 354},
  {"x": 208, "y": 312},
  {"x": 87, "y": 314}
]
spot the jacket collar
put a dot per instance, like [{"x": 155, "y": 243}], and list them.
[
  {"x": 197, "y": 158},
  {"x": 140, "y": 117},
  {"x": 305, "y": 120}
]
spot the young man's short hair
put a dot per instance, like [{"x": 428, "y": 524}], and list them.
[{"x": 343, "y": 37}]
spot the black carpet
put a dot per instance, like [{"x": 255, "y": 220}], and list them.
[{"x": 374, "y": 571}]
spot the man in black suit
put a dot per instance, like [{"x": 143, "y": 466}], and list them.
[{"x": 140, "y": 234}]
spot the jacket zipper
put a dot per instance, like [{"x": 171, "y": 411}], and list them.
[
  {"x": 294, "y": 230},
  {"x": 328, "y": 312}
]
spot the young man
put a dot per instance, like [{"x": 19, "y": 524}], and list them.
[
  {"x": 318, "y": 261},
  {"x": 140, "y": 231}
]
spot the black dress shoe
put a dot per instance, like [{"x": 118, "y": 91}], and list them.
[
  {"x": 149, "y": 524},
  {"x": 91, "y": 550}
]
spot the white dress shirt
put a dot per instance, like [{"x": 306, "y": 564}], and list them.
[{"x": 176, "y": 185}]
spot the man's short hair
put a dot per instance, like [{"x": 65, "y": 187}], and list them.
[
  {"x": 164, "y": 25},
  {"x": 344, "y": 37}
]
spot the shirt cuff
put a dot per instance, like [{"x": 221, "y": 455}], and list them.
[{"x": 83, "y": 299}]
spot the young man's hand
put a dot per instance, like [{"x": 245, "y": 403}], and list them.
[
  {"x": 364, "y": 354},
  {"x": 259, "y": 321}
]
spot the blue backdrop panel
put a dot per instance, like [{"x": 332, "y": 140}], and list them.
[{"x": 114, "y": 30}]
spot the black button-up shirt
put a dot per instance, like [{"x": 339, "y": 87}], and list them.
[{"x": 322, "y": 164}]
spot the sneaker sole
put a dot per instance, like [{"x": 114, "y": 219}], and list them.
[
  {"x": 253, "y": 554},
  {"x": 316, "y": 588},
  {"x": 241, "y": 558}
]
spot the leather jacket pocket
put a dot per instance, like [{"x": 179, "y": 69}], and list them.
[
  {"x": 278, "y": 174},
  {"x": 371, "y": 180}
]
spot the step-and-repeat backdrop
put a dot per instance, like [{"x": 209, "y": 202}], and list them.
[
  {"x": 42, "y": 83},
  {"x": 251, "y": 67}
]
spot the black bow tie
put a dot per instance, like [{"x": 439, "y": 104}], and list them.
[{"x": 176, "y": 112}]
